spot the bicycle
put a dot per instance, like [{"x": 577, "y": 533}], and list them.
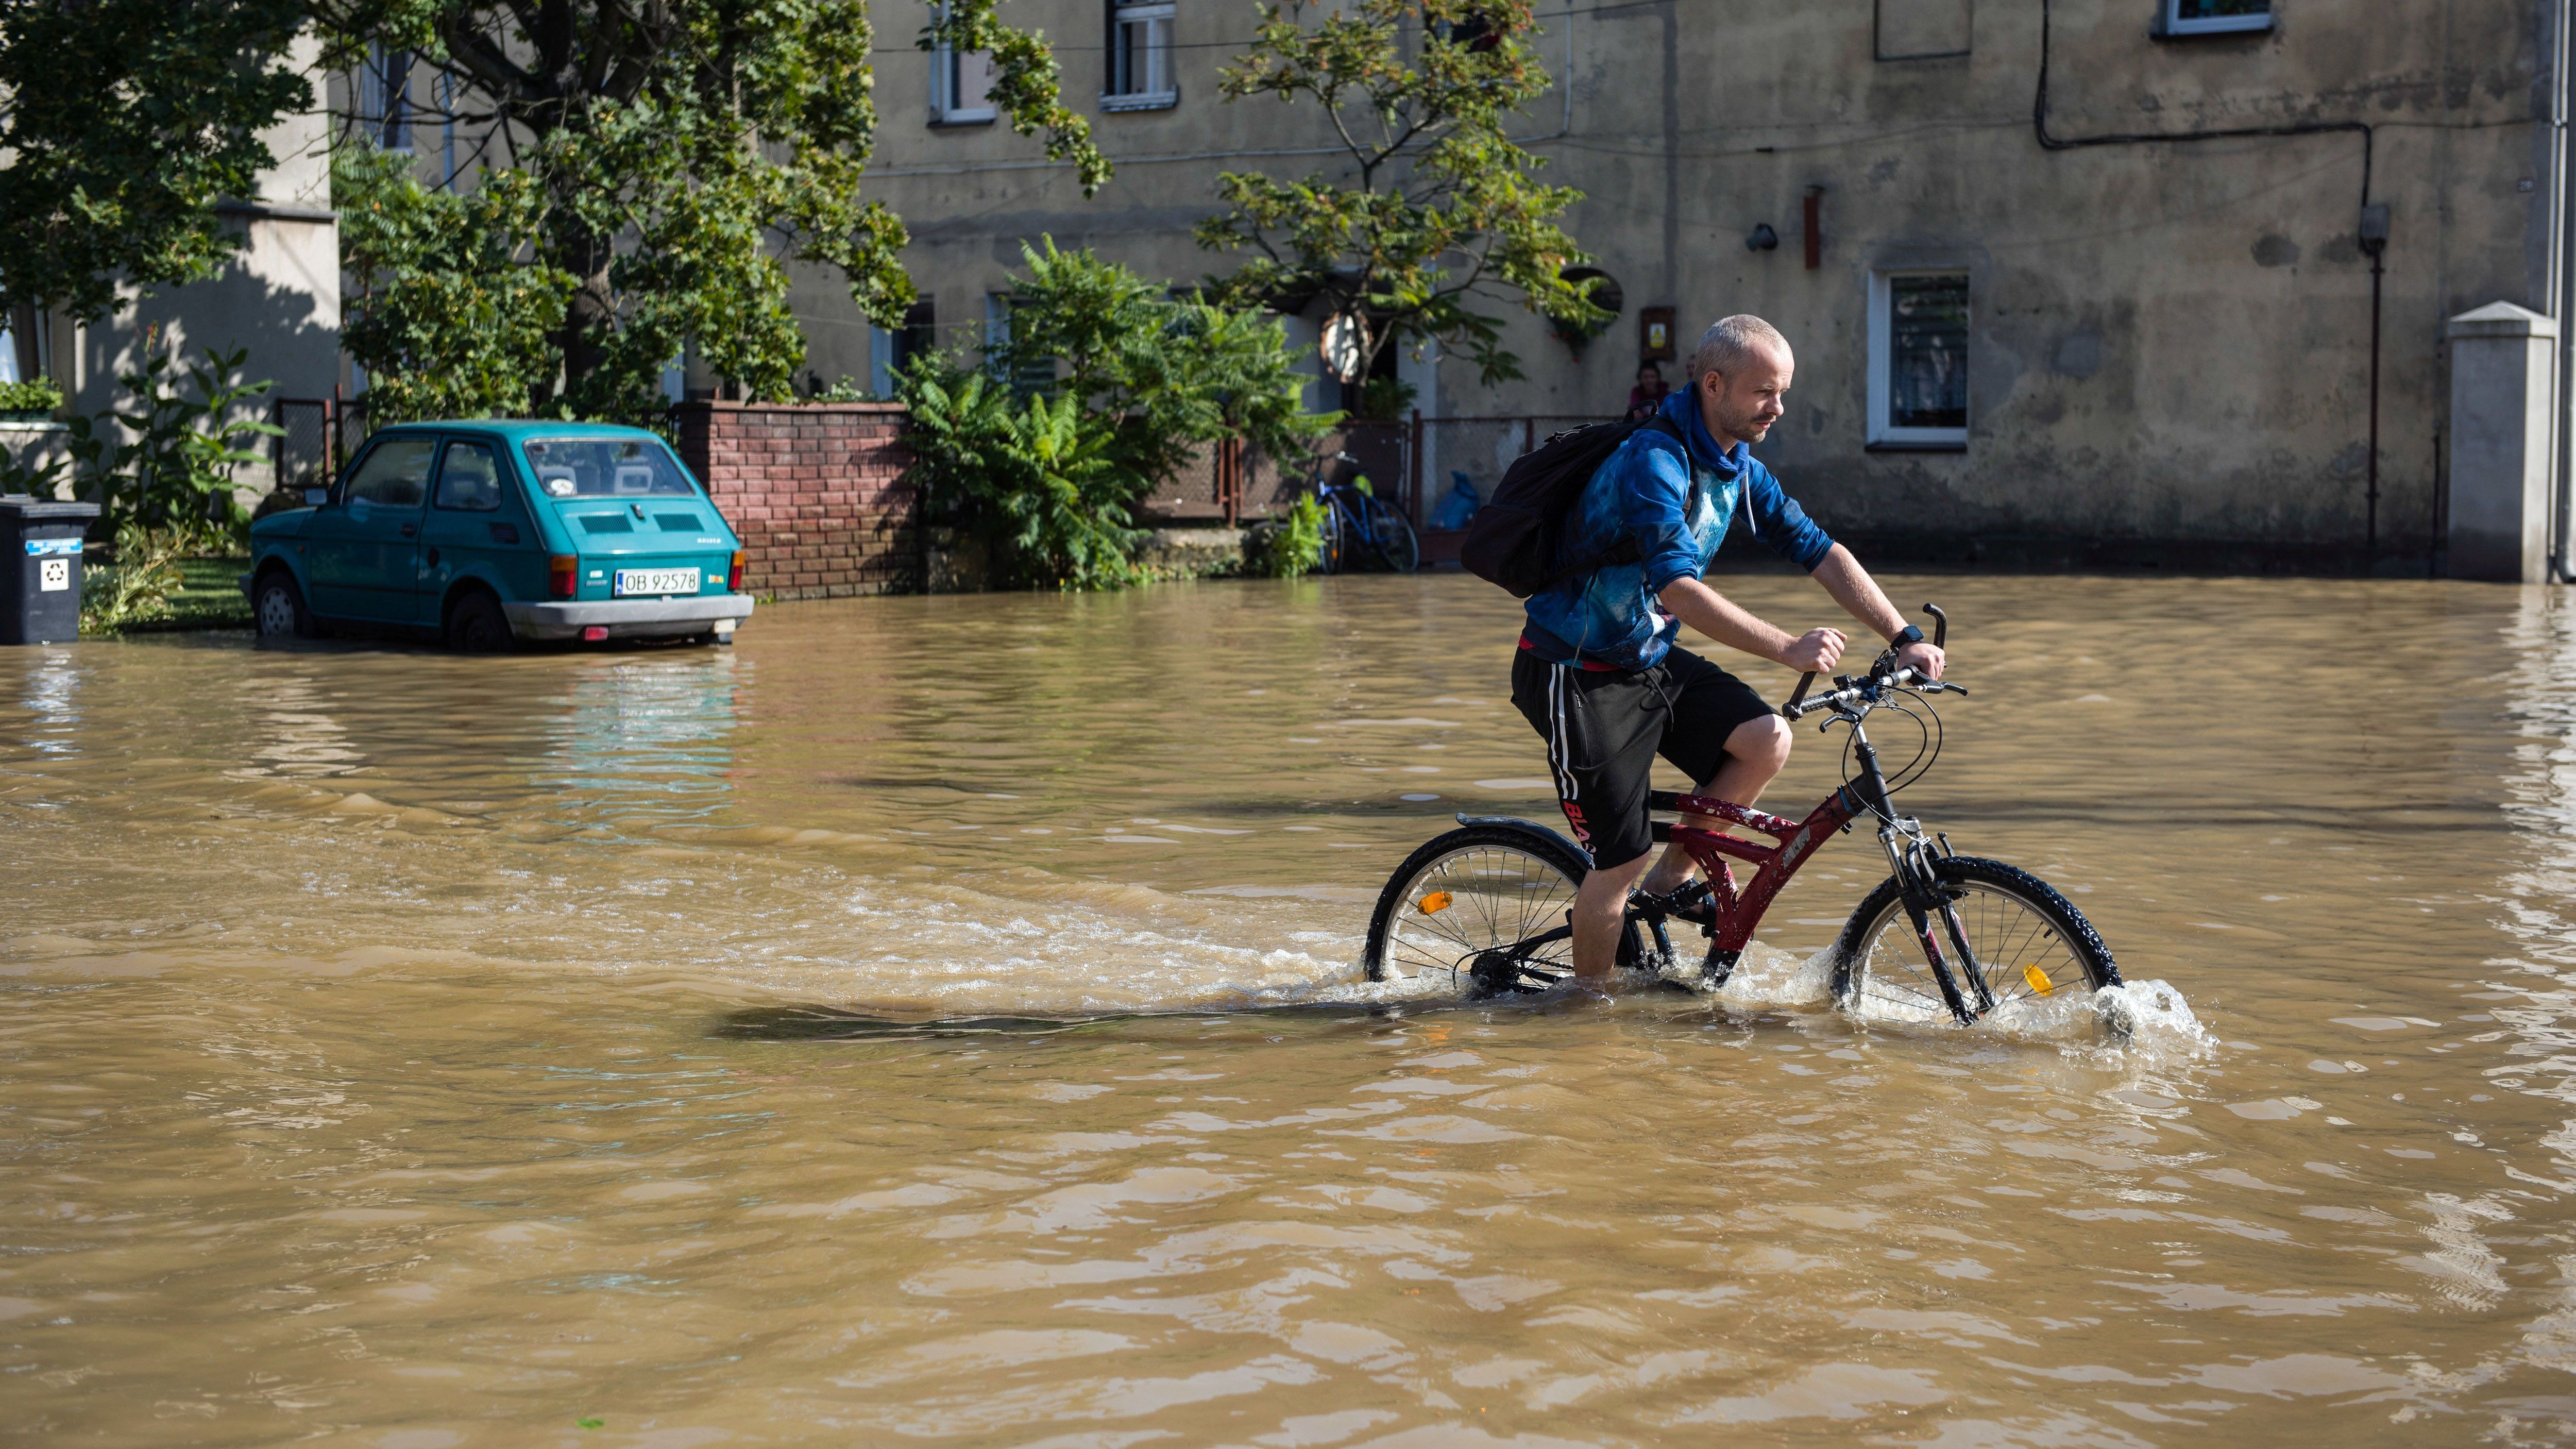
[
  {"x": 1484, "y": 910},
  {"x": 1354, "y": 517}
]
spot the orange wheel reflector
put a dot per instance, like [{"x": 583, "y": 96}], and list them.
[
  {"x": 1435, "y": 902},
  {"x": 2038, "y": 979}
]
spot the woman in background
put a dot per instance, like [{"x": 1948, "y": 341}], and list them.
[{"x": 1648, "y": 394}]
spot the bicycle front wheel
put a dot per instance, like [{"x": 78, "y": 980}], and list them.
[
  {"x": 2009, "y": 928},
  {"x": 1393, "y": 538},
  {"x": 1477, "y": 912}
]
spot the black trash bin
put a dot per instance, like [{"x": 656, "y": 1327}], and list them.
[{"x": 40, "y": 569}]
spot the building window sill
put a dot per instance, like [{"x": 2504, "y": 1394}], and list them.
[
  {"x": 961, "y": 118},
  {"x": 1917, "y": 445},
  {"x": 1156, "y": 101},
  {"x": 2215, "y": 26}
]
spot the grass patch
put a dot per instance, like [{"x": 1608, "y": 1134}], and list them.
[{"x": 209, "y": 597}]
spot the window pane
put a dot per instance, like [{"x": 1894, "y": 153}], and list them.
[
  {"x": 394, "y": 474},
  {"x": 974, "y": 89},
  {"x": 605, "y": 468},
  {"x": 1927, "y": 385},
  {"x": 2216, "y": 9},
  {"x": 470, "y": 478}
]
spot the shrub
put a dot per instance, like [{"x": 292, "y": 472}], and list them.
[
  {"x": 1140, "y": 383},
  {"x": 1038, "y": 480},
  {"x": 39, "y": 395},
  {"x": 136, "y": 588},
  {"x": 177, "y": 469},
  {"x": 1291, "y": 546}
]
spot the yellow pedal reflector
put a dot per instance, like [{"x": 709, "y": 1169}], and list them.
[
  {"x": 2037, "y": 978},
  {"x": 1435, "y": 902}
]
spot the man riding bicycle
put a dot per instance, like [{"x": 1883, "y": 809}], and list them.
[{"x": 1597, "y": 674}]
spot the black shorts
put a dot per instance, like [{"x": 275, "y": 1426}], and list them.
[{"x": 1604, "y": 728}]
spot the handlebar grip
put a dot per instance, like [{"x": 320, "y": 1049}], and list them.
[
  {"x": 1940, "y": 626},
  {"x": 1790, "y": 710}
]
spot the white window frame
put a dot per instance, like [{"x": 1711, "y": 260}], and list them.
[
  {"x": 2175, "y": 24},
  {"x": 1882, "y": 361},
  {"x": 946, "y": 61},
  {"x": 1158, "y": 89}
]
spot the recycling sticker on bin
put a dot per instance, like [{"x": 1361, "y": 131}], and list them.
[{"x": 39, "y": 547}]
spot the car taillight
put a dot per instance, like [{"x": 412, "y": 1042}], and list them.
[
  {"x": 733, "y": 576},
  {"x": 565, "y": 568}
]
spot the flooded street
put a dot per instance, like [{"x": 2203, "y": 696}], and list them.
[{"x": 412, "y": 1051}]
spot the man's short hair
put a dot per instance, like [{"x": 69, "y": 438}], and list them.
[{"x": 1732, "y": 342}]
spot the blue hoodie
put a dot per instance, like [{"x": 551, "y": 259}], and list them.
[{"x": 1610, "y": 617}]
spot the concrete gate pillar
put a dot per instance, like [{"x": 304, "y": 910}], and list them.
[{"x": 2503, "y": 391}]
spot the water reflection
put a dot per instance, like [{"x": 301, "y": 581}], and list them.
[{"x": 644, "y": 740}]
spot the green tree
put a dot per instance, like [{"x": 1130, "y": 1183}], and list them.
[
  {"x": 1440, "y": 207},
  {"x": 122, "y": 122},
  {"x": 1173, "y": 374},
  {"x": 679, "y": 152},
  {"x": 445, "y": 318},
  {"x": 1146, "y": 381}
]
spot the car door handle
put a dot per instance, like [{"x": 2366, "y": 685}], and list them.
[{"x": 411, "y": 530}]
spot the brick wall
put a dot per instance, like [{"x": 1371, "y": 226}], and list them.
[{"x": 816, "y": 490}]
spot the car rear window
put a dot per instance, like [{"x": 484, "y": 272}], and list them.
[{"x": 605, "y": 468}]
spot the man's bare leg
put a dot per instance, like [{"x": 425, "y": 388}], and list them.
[
  {"x": 1755, "y": 753},
  {"x": 1600, "y": 907}
]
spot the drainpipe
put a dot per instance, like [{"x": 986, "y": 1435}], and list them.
[
  {"x": 2562, "y": 286},
  {"x": 2374, "y": 240}
]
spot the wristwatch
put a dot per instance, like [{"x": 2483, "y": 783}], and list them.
[{"x": 1910, "y": 635}]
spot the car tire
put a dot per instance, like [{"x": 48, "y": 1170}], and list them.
[
  {"x": 477, "y": 626},
  {"x": 277, "y": 608}
]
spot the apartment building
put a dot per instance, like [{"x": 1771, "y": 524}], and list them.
[{"x": 2105, "y": 276}]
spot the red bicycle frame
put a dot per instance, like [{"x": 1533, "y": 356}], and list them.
[{"x": 1737, "y": 912}]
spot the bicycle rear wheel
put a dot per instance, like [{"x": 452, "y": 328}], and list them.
[
  {"x": 1477, "y": 912},
  {"x": 1393, "y": 538},
  {"x": 2027, "y": 942}
]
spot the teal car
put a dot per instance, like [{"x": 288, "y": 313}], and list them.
[{"x": 483, "y": 534}]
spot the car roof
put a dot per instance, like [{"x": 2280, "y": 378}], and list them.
[{"x": 520, "y": 429}]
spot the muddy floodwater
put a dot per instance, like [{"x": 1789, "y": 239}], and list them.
[{"x": 938, "y": 1021}]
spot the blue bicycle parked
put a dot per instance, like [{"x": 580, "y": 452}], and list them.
[{"x": 1359, "y": 525}]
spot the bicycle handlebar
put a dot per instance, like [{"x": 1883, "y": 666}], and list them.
[{"x": 1868, "y": 688}]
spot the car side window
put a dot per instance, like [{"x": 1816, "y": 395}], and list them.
[
  {"x": 394, "y": 474},
  {"x": 469, "y": 477}
]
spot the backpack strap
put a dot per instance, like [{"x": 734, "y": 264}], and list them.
[{"x": 1624, "y": 550}]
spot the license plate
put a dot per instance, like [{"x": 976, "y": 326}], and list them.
[{"x": 656, "y": 581}]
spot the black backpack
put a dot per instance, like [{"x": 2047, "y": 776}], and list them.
[{"x": 1512, "y": 540}]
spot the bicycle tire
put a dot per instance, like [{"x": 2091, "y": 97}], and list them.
[
  {"x": 2024, "y": 933},
  {"x": 1392, "y": 537},
  {"x": 1337, "y": 536},
  {"x": 1507, "y": 884}
]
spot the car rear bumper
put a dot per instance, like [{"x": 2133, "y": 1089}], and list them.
[{"x": 630, "y": 618}]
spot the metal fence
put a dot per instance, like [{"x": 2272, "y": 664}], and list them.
[{"x": 320, "y": 434}]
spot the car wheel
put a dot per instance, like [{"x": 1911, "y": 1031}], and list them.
[
  {"x": 477, "y": 626},
  {"x": 278, "y": 607}
]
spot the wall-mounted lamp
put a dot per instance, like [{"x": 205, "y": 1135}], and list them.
[{"x": 1762, "y": 239}]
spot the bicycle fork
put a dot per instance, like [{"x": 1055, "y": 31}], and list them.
[{"x": 1911, "y": 857}]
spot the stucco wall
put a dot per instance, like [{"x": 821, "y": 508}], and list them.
[
  {"x": 2168, "y": 342},
  {"x": 278, "y": 298}
]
